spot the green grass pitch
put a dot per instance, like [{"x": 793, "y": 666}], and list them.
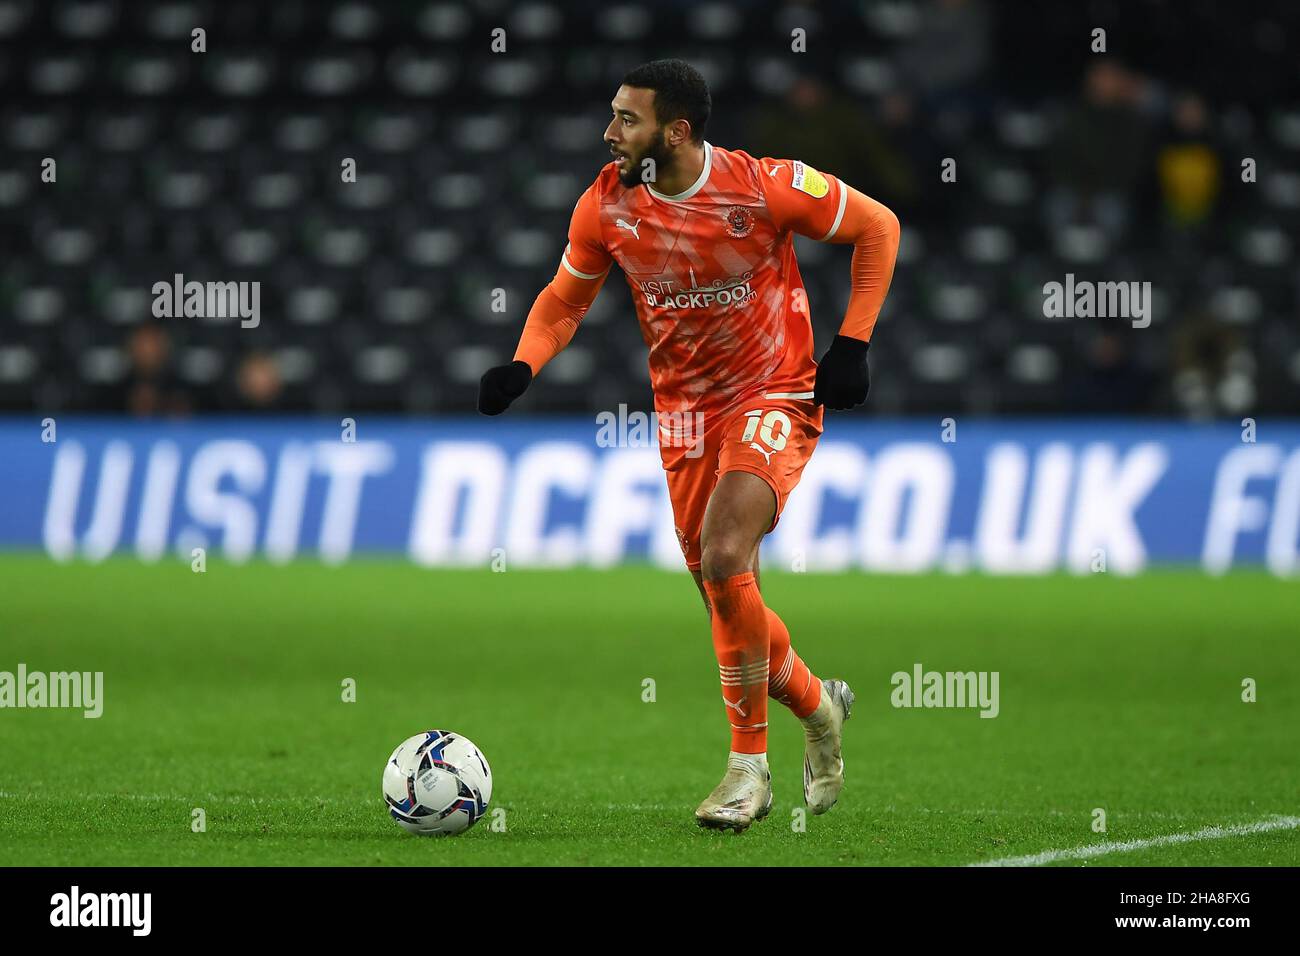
[{"x": 223, "y": 691}]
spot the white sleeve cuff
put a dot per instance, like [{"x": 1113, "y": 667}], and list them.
[
  {"x": 839, "y": 213},
  {"x": 595, "y": 275}
]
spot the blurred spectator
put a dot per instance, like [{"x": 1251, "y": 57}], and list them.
[
  {"x": 911, "y": 134},
  {"x": 1188, "y": 166},
  {"x": 1110, "y": 379},
  {"x": 943, "y": 65},
  {"x": 258, "y": 383},
  {"x": 1101, "y": 151},
  {"x": 831, "y": 132},
  {"x": 151, "y": 386}
]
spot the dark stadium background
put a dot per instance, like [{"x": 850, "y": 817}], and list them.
[{"x": 376, "y": 295}]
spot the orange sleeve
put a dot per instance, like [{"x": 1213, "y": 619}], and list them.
[
  {"x": 586, "y": 255},
  {"x": 874, "y": 231},
  {"x": 559, "y": 307},
  {"x": 799, "y": 198},
  {"x": 555, "y": 315},
  {"x": 803, "y": 200}
]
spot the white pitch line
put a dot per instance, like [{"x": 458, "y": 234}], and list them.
[{"x": 1101, "y": 849}]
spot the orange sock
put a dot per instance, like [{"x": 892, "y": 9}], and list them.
[
  {"x": 791, "y": 682},
  {"x": 740, "y": 637}
]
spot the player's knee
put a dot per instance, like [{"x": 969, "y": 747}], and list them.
[{"x": 725, "y": 558}]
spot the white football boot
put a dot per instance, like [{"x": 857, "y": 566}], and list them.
[
  {"x": 743, "y": 796},
  {"x": 823, "y": 767}
]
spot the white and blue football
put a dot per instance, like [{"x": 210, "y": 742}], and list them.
[{"x": 437, "y": 783}]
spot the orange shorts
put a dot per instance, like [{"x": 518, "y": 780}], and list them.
[{"x": 772, "y": 438}]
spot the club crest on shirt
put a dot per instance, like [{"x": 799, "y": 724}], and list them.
[{"x": 740, "y": 221}]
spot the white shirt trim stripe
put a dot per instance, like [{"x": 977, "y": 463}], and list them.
[
  {"x": 788, "y": 395},
  {"x": 694, "y": 187},
  {"x": 839, "y": 215},
  {"x": 580, "y": 275}
]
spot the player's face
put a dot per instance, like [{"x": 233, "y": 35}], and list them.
[{"x": 633, "y": 136}]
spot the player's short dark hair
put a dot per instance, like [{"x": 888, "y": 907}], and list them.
[{"x": 680, "y": 93}]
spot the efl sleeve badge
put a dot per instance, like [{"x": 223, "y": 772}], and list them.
[{"x": 808, "y": 180}]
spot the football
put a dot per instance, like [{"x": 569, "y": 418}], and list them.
[{"x": 437, "y": 783}]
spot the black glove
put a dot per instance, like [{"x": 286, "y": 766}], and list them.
[
  {"x": 842, "y": 377},
  {"x": 501, "y": 385}
]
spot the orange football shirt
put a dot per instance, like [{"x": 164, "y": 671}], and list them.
[{"x": 713, "y": 274}]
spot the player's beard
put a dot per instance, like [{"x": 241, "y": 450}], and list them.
[{"x": 658, "y": 151}]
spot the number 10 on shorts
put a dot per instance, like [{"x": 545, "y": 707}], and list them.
[{"x": 772, "y": 427}]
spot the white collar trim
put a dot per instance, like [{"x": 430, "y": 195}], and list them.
[{"x": 694, "y": 187}]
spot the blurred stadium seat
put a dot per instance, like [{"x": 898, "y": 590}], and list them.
[{"x": 378, "y": 293}]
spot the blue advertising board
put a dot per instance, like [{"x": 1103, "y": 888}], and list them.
[{"x": 999, "y": 496}]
